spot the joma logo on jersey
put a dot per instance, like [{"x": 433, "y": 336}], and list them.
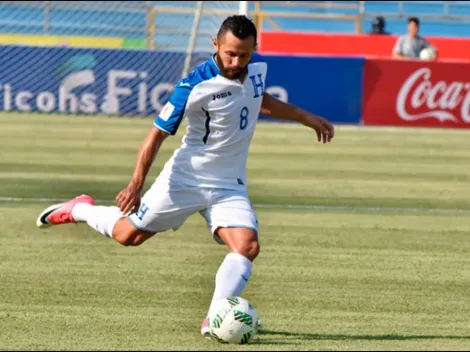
[{"x": 221, "y": 95}]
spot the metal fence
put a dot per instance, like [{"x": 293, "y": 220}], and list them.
[{"x": 174, "y": 25}]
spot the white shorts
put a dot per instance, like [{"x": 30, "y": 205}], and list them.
[{"x": 166, "y": 206}]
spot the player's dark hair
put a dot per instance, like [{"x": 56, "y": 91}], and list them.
[
  {"x": 240, "y": 26},
  {"x": 414, "y": 19}
]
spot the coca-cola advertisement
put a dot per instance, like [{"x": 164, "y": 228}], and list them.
[{"x": 416, "y": 93}]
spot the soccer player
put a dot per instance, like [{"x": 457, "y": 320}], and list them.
[{"x": 221, "y": 99}]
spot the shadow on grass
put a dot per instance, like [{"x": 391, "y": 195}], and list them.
[{"x": 340, "y": 337}]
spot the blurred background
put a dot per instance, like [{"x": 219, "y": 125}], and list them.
[
  {"x": 88, "y": 47},
  {"x": 168, "y": 25}
]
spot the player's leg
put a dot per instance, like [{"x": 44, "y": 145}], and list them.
[
  {"x": 107, "y": 220},
  {"x": 236, "y": 268},
  {"x": 233, "y": 223},
  {"x": 162, "y": 208}
]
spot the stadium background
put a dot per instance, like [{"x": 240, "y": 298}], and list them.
[
  {"x": 121, "y": 58},
  {"x": 364, "y": 241}
]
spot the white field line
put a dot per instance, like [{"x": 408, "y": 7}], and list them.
[{"x": 282, "y": 206}]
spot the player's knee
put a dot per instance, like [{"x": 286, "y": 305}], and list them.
[
  {"x": 131, "y": 239},
  {"x": 122, "y": 232},
  {"x": 124, "y": 238},
  {"x": 127, "y": 235},
  {"x": 251, "y": 249},
  {"x": 140, "y": 238},
  {"x": 242, "y": 241}
]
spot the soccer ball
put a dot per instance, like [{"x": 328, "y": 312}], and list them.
[
  {"x": 427, "y": 54},
  {"x": 235, "y": 321}
]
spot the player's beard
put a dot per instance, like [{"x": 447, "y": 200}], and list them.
[{"x": 229, "y": 73}]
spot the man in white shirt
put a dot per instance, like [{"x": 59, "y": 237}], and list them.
[
  {"x": 221, "y": 99},
  {"x": 410, "y": 45}
]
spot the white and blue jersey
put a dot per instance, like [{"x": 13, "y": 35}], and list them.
[{"x": 222, "y": 116}]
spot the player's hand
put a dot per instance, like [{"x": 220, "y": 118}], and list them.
[
  {"x": 325, "y": 130},
  {"x": 128, "y": 200}
]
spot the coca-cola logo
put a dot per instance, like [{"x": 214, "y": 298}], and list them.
[{"x": 421, "y": 98}]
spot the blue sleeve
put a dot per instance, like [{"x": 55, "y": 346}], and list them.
[
  {"x": 256, "y": 57},
  {"x": 172, "y": 114}
]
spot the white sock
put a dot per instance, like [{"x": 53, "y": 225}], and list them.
[
  {"x": 231, "y": 278},
  {"x": 99, "y": 218}
]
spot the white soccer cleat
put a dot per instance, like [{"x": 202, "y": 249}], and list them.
[{"x": 61, "y": 213}]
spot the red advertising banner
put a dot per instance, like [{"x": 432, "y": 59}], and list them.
[
  {"x": 379, "y": 46},
  {"x": 414, "y": 93}
]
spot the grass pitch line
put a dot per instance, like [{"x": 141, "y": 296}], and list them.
[
  {"x": 281, "y": 206},
  {"x": 359, "y": 208}
]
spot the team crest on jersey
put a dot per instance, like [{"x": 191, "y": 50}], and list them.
[
  {"x": 258, "y": 85},
  {"x": 221, "y": 95}
]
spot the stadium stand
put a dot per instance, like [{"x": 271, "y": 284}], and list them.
[{"x": 135, "y": 23}]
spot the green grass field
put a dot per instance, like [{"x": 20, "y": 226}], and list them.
[{"x": 383, "y": 265}]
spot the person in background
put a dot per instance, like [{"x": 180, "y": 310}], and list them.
[
  {"x": 409, "y": 46},
  {"x": 378, "y": 26}
]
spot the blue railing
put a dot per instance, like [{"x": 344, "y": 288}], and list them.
[{"x": 129, "y": 19}]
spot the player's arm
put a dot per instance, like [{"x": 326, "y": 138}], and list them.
[
  {"x": 165, "y": 124},
  {"x": 276, "y": 108},
  {"x": 129, "y": 198},
  {"x": 145, "y": 157}
]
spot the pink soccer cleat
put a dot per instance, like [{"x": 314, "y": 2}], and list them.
[
  {"x": 58, "y": 214},
  {"x": 205, "y": 332}
]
